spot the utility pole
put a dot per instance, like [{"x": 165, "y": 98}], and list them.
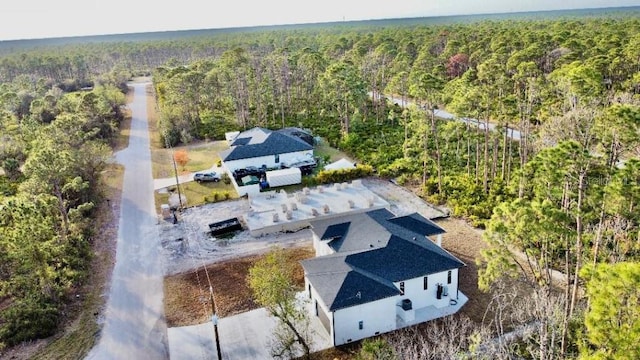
[
  {"x": 175, "y": 168},
  {"x": 214, "y": 320},
  {"x": 175, "y": 171}
]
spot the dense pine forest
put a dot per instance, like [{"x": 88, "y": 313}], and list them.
[{"x": 562, "y": 196}]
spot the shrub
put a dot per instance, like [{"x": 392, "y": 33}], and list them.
[
  {"x": 342, "y": 175},
  {"x": 181, "y": 157},
  {"x": 28, "y": 318},
  {"x": 226, "y": 179},
  {"x": 309, "y": 181}
]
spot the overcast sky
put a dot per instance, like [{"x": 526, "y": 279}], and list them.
[{"x": 26, "y": 19}]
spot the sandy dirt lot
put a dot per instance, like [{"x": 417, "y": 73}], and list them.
[{"x": 188, "y": 248}]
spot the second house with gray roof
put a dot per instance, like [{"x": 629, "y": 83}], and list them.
[
  {"x": 262, "y": 147},
  {"x": 376, "y": 272}
]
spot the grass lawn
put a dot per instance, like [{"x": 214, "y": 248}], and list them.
[
  {"x": 195, "y": 193},
  {"x": 324, "y": 149},
  {"x": 202, "y": 156}
]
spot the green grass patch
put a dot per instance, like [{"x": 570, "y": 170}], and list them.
[
  {"x": 202, "y": 156},
  {"x": 198, "y": 193},
  {"x": 323, "y": 150}
]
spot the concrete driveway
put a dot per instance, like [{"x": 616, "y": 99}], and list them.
[
  {"x": 242, "y": 336},
  {"x": 183, "y": 178}
]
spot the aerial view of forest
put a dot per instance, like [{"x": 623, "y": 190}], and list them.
[{"x": 541, "y": 152}]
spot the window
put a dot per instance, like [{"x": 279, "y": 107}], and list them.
[
  {"x": 309, "y": 291},
  {"x": 360, "y": 324},
  {"x": 449, "y": 277},
  {"x": 277, "y": 158},
  {"x": 425, "y": 283},
  {"x": 401, "y": 287}
]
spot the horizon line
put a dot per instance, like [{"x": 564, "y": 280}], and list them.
[{"x": 259, "y": 26}]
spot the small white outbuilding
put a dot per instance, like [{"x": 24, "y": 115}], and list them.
[
  {"x": 340, "y": 164},
  {"x": 283, "y": 177}
]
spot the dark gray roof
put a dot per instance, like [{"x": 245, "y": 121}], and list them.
[
  {"x": 417, "y": 223},
  {"x": 262, "y": 142},
  {"x": 335, "y": 234},
  {"x": 404, "y": 259},
  {"x": 304, "y": 135},
  {"x": 242, "y": 141},
  {"x": 373, "y": 250},
  {"x": 335, "y": 231},
  {"x": 340, "y": 286}
]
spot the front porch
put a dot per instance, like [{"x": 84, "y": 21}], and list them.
[{"x": 429, "y": 313}]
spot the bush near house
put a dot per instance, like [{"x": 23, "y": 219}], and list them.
[{"x": 342, "y": 175}]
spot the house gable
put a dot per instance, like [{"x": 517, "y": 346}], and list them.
[
  {"x": 340, "y": 285},
  {"x": 342, "y": 290}
]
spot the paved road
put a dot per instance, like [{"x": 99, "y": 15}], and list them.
[
  {"x": 513, "y": 133},
  {"x": 134, "y": 325}
]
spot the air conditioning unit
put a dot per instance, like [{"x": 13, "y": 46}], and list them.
[{"x": 406, "y": 304}]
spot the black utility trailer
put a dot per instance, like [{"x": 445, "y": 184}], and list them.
[{"x": 224, "y": 226}]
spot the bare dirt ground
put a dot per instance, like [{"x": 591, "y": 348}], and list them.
[
  {"x": 187, "y": 248},
  {"x": 187, "y": 245}
]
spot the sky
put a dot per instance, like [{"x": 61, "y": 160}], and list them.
[{"x": 33, "y": 19}]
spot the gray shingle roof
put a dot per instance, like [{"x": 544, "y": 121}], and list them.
[
  {"x": 262, "y": 142},
  {"x": 340, "y": 285},
  {"x": 417, "y": 223},
  {"x": 404, "y": 259},
  {"x": 373, "y": 250},
  {"x": 364, "y": 232}
]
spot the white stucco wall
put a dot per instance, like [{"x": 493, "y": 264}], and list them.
[
  {"x": 414, "y": 290},
  {"x": 313, "y": 298},
  {"x": 269, "y": 161},
  {"x": 244, "y": 190},
  {"x": 377, "y": 317},
  {"x": 322, "y": 247}
]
